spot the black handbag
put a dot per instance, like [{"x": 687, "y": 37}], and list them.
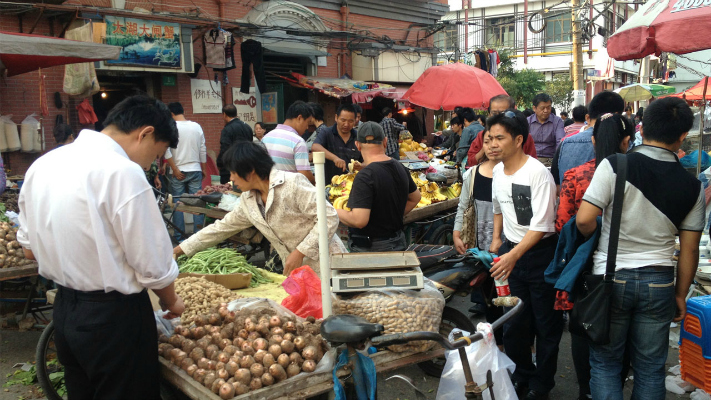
[{"x": 590, "y": 316}]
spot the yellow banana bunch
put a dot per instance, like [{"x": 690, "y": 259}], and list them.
[
  {"x": 424, "y": 202},
  {"x": 341, "y": 203},
  {"x": 456, "y": 189},
  {"x": 431, "y": 192}
]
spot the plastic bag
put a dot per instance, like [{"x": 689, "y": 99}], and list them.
[
  {"x": 28, "y": 131},
  {"x": 165, "y": 326},
  {"x": 229, "y": 202},
  {"x": 364, "y": 375},
  {"x": 304, "y": 288},
  {"x": 398, "y": 311},
  {"x": 483, "y": 356},
  {"x": 80, "y": 78},
  {"x": 12, "y": 136}
]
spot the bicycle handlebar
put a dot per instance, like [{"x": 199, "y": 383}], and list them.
[{"x": 403, "y": 338}]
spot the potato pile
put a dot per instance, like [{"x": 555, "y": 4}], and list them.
[
  {"x": 200, "y": 295},
  {"x": 233, "y": 353},
  {"x": 398, "y": 312},
  {"x": 11, "y": 254}
]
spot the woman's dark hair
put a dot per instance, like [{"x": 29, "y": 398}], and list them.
[
  {"x": 318, "y": 110},
  {"x": 513, "y": 121},
  {"x": 138, "y": 111},
  {"x": 244, "y": 157},
  {"x": 62, "y": 133},
  {"x": 261, "y": 124},
  {"x": 481, "y": 118},
  {"x": 609, "y": 132}
]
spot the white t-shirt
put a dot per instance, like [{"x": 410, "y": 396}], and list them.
[
  {"x": 191, "y": 149},
  {"x": 526, "y": 199}
]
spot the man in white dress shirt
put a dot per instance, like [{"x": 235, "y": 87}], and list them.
[{"x": 89, "y": 217}]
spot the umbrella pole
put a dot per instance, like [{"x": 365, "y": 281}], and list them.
[{"x": 701, "y": 126}]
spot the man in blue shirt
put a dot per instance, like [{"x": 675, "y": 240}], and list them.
[
  {"x": 578, "y": 149},
  {"x": 472, "y": 128},
  {"x": 545, "y": 127}
]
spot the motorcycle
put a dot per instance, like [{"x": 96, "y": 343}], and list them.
[{"x": 452, "y": 274}]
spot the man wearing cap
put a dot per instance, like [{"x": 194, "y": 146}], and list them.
[{"x": 382, "y": 193}]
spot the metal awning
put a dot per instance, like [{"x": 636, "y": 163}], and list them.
[
  {"x": 293, "y": 49},
  {"x": 20, "y": 53}
]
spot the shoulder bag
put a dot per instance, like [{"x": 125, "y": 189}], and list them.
[
  {"x": 469, "y": 222},
  {"x": 591, "y": 313}
]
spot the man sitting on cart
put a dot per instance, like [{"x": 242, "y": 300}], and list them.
[{"x": 382, "y": 193}]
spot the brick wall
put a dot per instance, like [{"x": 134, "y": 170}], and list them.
[{"x": 19, "y": 95}]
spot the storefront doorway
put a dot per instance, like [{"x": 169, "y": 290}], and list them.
[{"x": 116, "y": 87}]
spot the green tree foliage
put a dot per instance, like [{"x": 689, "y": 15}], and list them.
[
  {"x": 522, "y": 85},
  {"x": 561, "y": 91}
]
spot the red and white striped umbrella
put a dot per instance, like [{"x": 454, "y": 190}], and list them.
[{"x": 674, "y": 26}]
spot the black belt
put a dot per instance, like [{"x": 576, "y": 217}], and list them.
[
  {"x": 549, "y": 241},
  {"x": 97, "y": 295}
]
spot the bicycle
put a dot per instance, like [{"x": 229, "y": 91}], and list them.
[{"x": 355, "y": 332}]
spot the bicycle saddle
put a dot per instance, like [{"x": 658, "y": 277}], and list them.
[
  {"x": 348, "y": 329},
  {"x": 437, "y": 178}
]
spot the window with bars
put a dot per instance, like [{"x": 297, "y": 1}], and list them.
[
  {"x": 559, "y": 29},
  {"x": 501, "y": 32},
  {"x": 446, "y": 39}
]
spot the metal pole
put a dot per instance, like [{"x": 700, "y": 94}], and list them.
[
  {"x": 578, "y": 81},
  {"x": 465, "y": 5},
  {"x": 701, "y": 126},
  {"x": 324, "y": 256},
  {"x": 525, "y": 32}
]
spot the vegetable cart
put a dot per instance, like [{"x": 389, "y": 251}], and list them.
[{"x": 303, "y": 386}]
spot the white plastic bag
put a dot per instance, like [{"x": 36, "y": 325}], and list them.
[
  {"x": 483, "y": 356},
  {"x": 229, "y": 202},
  {"x": 12, "y": 136},
  {"x": 29, "y": 129}
]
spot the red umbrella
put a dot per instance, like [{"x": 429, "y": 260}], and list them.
[
  {"x": 679, "y": 26},
  {"x": 20, "y": 53},
  {"x": 448, "y": 86}
]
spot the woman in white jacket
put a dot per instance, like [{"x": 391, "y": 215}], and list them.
[{"x": 280, "y": 204}]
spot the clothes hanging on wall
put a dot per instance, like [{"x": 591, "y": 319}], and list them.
[
  {"x": 229, "y": 51},
  {"x": 484, "y": 60},
  {"x": 214, "y": 48},
  {"x": 252, "y": 53}
]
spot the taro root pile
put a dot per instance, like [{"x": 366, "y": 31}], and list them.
[{"x": 232, "y": 353}]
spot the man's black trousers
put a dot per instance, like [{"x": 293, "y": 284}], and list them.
[
  {"x": 536, "y": 318},
  {"x": 108, "y": 345}
]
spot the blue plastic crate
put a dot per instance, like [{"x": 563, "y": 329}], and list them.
[{"x": 700, "y": 307}]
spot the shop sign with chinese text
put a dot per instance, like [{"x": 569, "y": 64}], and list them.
[
  {"x": 206, "y": 95},
  {"x": 248, "y": 106},
  {"x": 144, "y": 43}
]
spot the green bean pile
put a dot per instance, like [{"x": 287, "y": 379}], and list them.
[{"x": 221, "y": 262}]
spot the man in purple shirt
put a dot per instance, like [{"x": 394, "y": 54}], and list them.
[{"x": 546, "y": 129}]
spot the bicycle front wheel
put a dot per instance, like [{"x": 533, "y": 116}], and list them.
[{"x": 50, "y": 373}]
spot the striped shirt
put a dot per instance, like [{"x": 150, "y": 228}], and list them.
[{"x": 287, "y": 148}]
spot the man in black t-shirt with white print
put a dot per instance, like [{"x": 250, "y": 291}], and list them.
[{"x": 382, "y": 193}]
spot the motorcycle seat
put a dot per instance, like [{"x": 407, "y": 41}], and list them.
[{"x": 348, "y": 329}]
